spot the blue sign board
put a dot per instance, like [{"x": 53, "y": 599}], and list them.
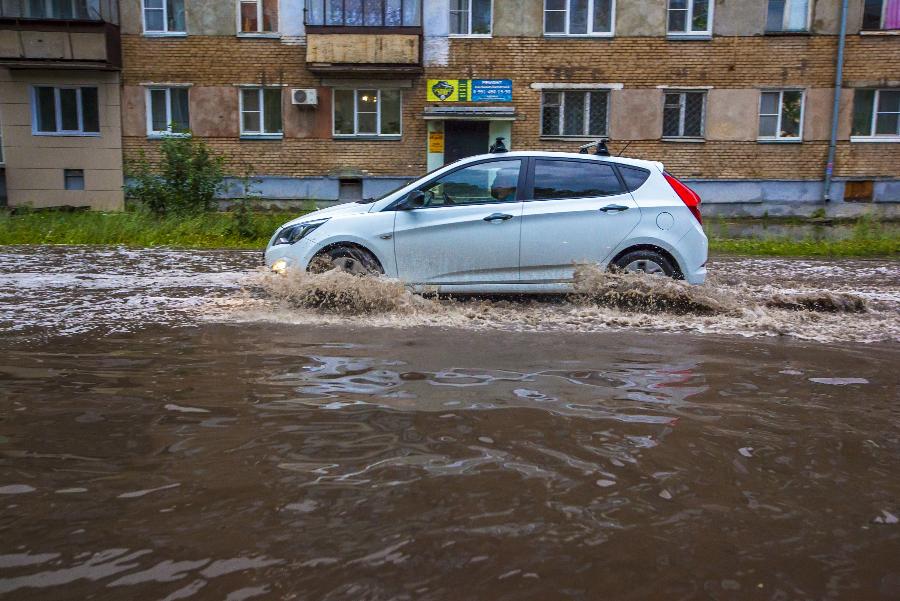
[{"x": 491, "y": 90}]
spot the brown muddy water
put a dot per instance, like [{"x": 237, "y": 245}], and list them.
[{"x": 174, "y": 425}]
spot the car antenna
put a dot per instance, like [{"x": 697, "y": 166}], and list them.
[
  {"x": 621, "y": 152},
  {"x": 498, "y": 147},
  {"x": 602, "y": 149}
]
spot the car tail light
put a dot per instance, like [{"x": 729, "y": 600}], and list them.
[{"x": 690, "y": 198}]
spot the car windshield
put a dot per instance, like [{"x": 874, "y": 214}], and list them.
[{"x": 366, "y": 201}]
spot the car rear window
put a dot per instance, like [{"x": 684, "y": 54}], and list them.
[
  {"x": 634, "y": 177},
  {"x": 573, "y": 179}
]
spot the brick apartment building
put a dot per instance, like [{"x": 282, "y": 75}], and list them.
[{"x": 338, "y": 99}]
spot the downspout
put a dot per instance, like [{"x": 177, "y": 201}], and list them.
[{"x": 836, "y": 109}]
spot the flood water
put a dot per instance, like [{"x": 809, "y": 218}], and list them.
[{"x": 173, "y": 427}]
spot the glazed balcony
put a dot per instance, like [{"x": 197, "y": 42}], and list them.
[
  {"x": 364, "y": 36},
  {"x": 60, "y": 34}
]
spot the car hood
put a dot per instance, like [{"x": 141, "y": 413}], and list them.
[{"x": 348, "y": 208}]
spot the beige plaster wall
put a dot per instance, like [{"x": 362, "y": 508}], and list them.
[
  {"x": 635, "y": 114},
  {"x": 732, "y": 114},
  {"x": 739, "y": 17},
  {"x": 518, "y": 18},
  {"x": 640, "y": 18},
  {"x": 35, "y": 164}
]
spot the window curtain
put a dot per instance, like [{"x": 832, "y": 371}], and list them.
[{"x": 892, "y": 14}]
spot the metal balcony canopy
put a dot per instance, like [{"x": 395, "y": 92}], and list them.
[{"x": 470, "y": 113}]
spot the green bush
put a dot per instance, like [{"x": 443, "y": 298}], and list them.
[{"x": 185, "y": 181}]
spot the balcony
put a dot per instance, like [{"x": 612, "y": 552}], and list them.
[
  {"x": 364, "y": 36},
  {"x": 60, "y": 34}
]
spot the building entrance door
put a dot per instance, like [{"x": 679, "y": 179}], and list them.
[{"x": 464, "y": 139}]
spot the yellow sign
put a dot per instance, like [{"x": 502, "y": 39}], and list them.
[
  {"x": 435, "y": 141},
  {"x": 448, "y": 90}
]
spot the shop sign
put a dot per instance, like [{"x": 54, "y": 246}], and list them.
[
  {"x": 435, "y": 141},
  {"x": 469, "y": 90}
]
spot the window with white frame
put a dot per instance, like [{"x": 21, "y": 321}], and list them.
[
  {"x": 574, "y": 113},
  {"x": 876, "y": 114},
  {"x": 684, "y": 114},
  {"x": 65, "y": 111},
  {"x": 690, "y": 17},
  {"x": 168, "y": 111},
  {"x": 257, "y": 16},
  {"x": 367, "y": 112},
  {"x": 787, "y": 15},
  {"x": 470, "y": 17},
  {"x": 881, "y": 14},
  {"x": 781, "y": 115},
  {"x": 164, "y": 16},
  {"x": 261, "y": 112},
  {"x": 578, "y": 17}
]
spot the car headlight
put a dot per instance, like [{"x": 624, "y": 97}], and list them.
[{"x": 294, "y": 233}]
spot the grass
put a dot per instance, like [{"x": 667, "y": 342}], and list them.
[
  {"x": 138, "y": 229},
  {"x": 864, "y": 238}
]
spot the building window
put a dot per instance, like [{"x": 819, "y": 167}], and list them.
[
  {"x": 65, "y": 111},
  {"x": 470, "y": 17},
  {"x": 881, "y": 14},
  {"x": 61, "y": 9},
  {"x": 876, "y": 114},
  {"x": 257, "y": 16},
  {"x": 787, "y": 15},
  {"x": 168, "y": 111},
  {"x": 781, "y": 115},
  {"x": 261, "y": 112},
  {"x": 164, "y": 16},
  {"x": 690, "y": 17},
  {"x": 367, "y": 113},
  {"x": 73, "y": 179},
  {"x": 574, "y": 113},
  {"x": 364, "y": 13},
  {"x": 683, "y": 114},
  {"x": 578, "y": 17}
]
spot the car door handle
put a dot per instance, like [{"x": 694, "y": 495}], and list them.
[
  {"x": 616, "y": 208},
  {"x": 498, "y": 217}
]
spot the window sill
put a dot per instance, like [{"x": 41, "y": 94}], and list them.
[
  {"x": 368, "y": 138},
  {"x": 779, "y": 140},
  {"x": 66, "y": 134},
  {"x": 683, "y": 140},
  {"x": 875, "y": 139},
  {"x": 880, "y": 32},
  {"x": 266, "y": 35},
  {"x": 165, "y": 34},
  {"x": 275, "y": 137},
  {"x": 689, "y": 37},
  {"x": 574, "y": 138},
  {"x": 464, "y": 36},
  {"x": 797, "y": 32},
  {"x": 578, "y": 35},
  {"x": 163, "y": 136}
]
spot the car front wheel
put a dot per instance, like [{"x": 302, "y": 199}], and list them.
[
  {"x": 349, "y": 259},
  {"x": 645, "y": 261}
]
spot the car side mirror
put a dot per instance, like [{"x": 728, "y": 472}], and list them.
[{"x": 413, "y": 200}]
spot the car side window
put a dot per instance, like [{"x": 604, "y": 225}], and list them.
[
  {"x": 493, "y": 181},
  {"x": 574, "y": 179},
  {"x": 634, "y": 177}
]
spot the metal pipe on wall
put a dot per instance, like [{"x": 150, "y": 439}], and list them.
[{"x": 836, "y": 109}]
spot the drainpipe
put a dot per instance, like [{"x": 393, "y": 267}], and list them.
[{"x": 835, "y": 112}]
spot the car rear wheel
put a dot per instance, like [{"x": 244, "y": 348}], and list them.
[
  {"x": 645, "y": 261},
  {"x": 349, "y": 259}
]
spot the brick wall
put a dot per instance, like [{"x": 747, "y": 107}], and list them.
[{"x": 732, "y": 62}]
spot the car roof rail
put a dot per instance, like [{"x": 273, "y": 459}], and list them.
[{"x": 602, "y": 150}]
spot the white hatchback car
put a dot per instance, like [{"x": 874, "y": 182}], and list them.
[{"x": 516, "y": 222}]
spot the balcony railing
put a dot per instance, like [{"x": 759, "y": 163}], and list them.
[
  {"x": 60, "y": 10},
  {"x": 364, "y": 13}
]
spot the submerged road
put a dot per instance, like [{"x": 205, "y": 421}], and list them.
[{"x": 170, "y": 429}]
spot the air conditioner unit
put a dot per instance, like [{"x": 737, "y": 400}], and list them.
[{"x": 307, "y": 97}]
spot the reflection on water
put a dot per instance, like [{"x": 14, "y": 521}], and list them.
[{"x": 175, "y": 448}]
